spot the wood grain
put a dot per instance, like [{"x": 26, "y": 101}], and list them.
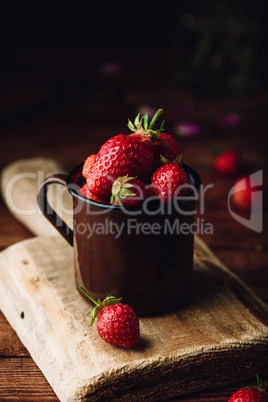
[
  {"x": 10, "y": 345},
  {"x": 18, "y": 376},
  {"x": 222, "y": 323}
]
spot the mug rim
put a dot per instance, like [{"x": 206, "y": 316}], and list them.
[{"x": 191, "y": 173}]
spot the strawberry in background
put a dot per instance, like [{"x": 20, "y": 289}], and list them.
[
  {"x": 228, "y": 162},
  {"x": 246, "y": 193}
]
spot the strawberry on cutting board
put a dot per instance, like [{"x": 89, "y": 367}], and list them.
[
  {"x": 248, "y": 395},
  {"x": 255, "y": 393},
  {"x": 117, "y": 323}
]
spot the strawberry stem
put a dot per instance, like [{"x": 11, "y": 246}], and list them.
[
  {"x": 259, "y": 385},
  {"x": 108, "y": 301},
  {"x": 90, "y": 298},
  {"x": 141, "y": 125},
  {"x": 259, "y": 381}
]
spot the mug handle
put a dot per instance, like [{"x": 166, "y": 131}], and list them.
[{"x": 48, "y": 212}]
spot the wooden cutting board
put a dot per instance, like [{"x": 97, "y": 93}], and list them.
[
  {"x": 219, "y": 337},
  {"x": 20, "y": 181}
]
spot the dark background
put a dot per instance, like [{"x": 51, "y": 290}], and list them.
[
  {"x": 53, "y": 55},
  {"x": 211, "y": 47},
  {"x": 138, "y": 24},
  {"x": 211, "y": 54}
]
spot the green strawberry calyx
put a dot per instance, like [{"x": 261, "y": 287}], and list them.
[
  {"x": 176, "y": 161},
  {"x": 121, "y": 189},
  {"x": 259, "y": 387},
  {"x": 99, "y": 305},
  {"x": 143, "y": 126}
]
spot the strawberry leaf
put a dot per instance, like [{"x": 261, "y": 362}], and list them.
[
  {"x": 164, "y": 160},
  {"x": 142, "y": 126},
  {"x": 161, "y": 129},
  {"x": 146, "y": 121},
  {"x": 117, "y": 199},
  {"x": 126, "y": 193},
  {"x": 137, "y": 120},
  {"x": 121, "y": 189},
  {"x": 155, "y": 117},
  {"x": 176, "y": 161},
  {"x": 128, "y": 185},
  {"x": 131, "y": 126}
]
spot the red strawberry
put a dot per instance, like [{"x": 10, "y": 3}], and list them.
[
  {"x": 144, "y": 129},
  {"x": 163, "y": 144},
  {"x": 170, "y": 181},
  {"x": 88, "y": 194},
  {"x": 128, "y": 191},
  {"x": 250, "y": 394},
  {"x": 83, "y": 190},
  {"x": 87, "y": 165},
  {"x": 124, "y": 155},
  {"x": 167, "y": 146},
  {"x": 117, "y": 323},
  {"x": 120, "y": 156},
  {"x": 150, "y": 192},
  {"x": 245, "y": 194},
  {"x": 228, "y": 162}
]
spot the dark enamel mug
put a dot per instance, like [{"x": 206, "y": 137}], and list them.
[{"x": 143, "y": 255}]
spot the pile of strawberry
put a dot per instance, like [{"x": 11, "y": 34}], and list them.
[{"x": 131, "y": 167}]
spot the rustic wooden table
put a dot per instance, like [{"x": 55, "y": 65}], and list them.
[{"x": 60, "y": 103}]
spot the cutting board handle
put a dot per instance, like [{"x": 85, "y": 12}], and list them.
[{"x": 48, "y": 212}]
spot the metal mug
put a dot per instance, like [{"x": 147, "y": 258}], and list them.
[{"x": 137, "y": 254}]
